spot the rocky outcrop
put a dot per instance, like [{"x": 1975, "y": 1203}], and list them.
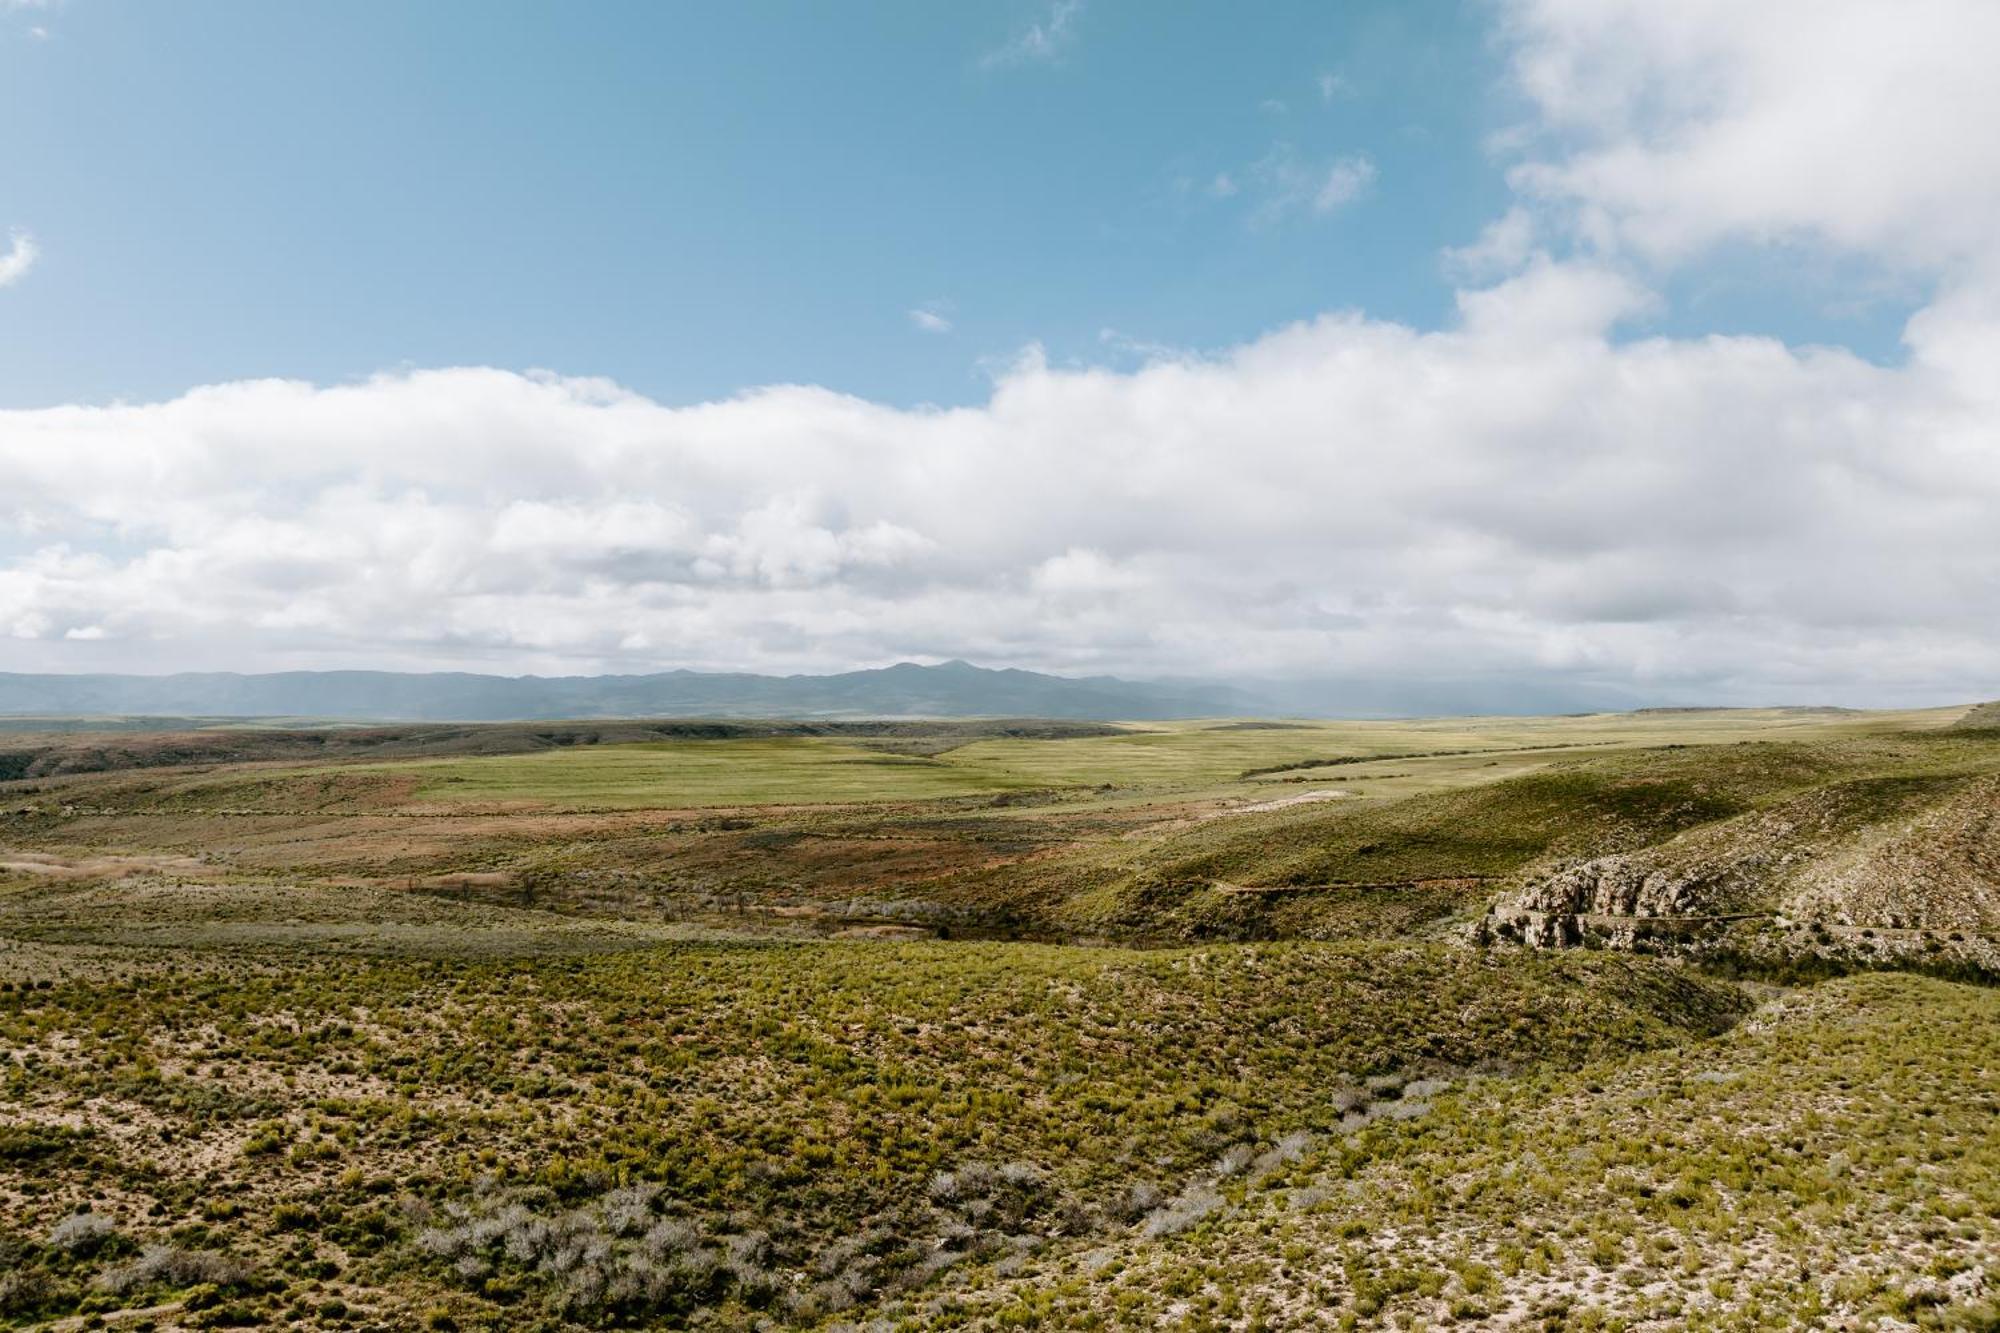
[{"x": 1886, "y": 869}]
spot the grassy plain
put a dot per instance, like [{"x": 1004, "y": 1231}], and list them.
[
  {"x": 1151, "y": 760},
  {"x": 522, "y": 1030},
  {"x": 695, "y": 774}
]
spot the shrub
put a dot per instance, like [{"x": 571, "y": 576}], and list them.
[
  {"x": 82, "y": 1233},
  {"x": 171, "y": 1266},
  {"x": 1140, "y": 1200},
  {"x": 292, "y": 1217},
  {"x": 25, "y": 1290},
  {"x": 603, "y": 1257},
  {"x": 1182, "y": 1213}
]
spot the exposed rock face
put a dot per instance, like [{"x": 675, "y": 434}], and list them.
[
  {"x": 1701, "y": 878},
  {"x": 1880, "y": 868},
  {"x": 1632, "y": 884},
  {"x": 1551, "y": 912}
]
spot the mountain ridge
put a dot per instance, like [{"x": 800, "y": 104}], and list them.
[{"x": 903, "y": 689}]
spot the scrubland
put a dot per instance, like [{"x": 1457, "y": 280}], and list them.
[{"x": 1652, "y": 1021}]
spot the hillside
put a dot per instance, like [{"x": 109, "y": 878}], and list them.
[
  {"x": 1891, "y": 852},
  {"x": 1828, "y": 1164},
  {"x": 1981, "y": 717}
]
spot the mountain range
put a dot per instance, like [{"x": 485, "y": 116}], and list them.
[{"x": 952, "y": 689}]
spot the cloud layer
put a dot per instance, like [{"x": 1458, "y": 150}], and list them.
[{"x": 1522, "y": 496}]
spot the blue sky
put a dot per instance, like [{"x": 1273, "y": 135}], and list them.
[
  {"x": 1511, "y": 350},
  {"x": 694, "y": 199}
]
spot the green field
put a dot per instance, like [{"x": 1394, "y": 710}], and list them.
[
  {"x": 1206, "y": 755},
  {"x": 805, "y": 771},
  {"x": 1151, "y": 759}
]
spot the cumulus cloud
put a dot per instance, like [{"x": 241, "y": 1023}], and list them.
[
  {"x": 1855, "y": 123},
  {"x": 1504, "y": 245},
  {"x": 1528, "y": 494},
  {"x": 1519, "y": 494},
  {"x": 20, "y": 256},
  {"x": 931, "y": 318}
]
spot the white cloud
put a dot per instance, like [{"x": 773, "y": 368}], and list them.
[
  {"x": 1333, "y": 84},
  {"x": 1518, "y": 497},
  {"x": 1044, "y": 41},
  {"x": 930, "y": 319},
  {"x": 1345, "y": 181},
  {"x": 1143, "y": 349},
  {"x": 1663, "y": 129},
  {"x": 19, "y": 258},
  {"x": 1284, "y": 184},
  {"x": 1504, "y": 245}
]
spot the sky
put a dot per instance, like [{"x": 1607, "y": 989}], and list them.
[{"x": 1510, "y": 354}]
